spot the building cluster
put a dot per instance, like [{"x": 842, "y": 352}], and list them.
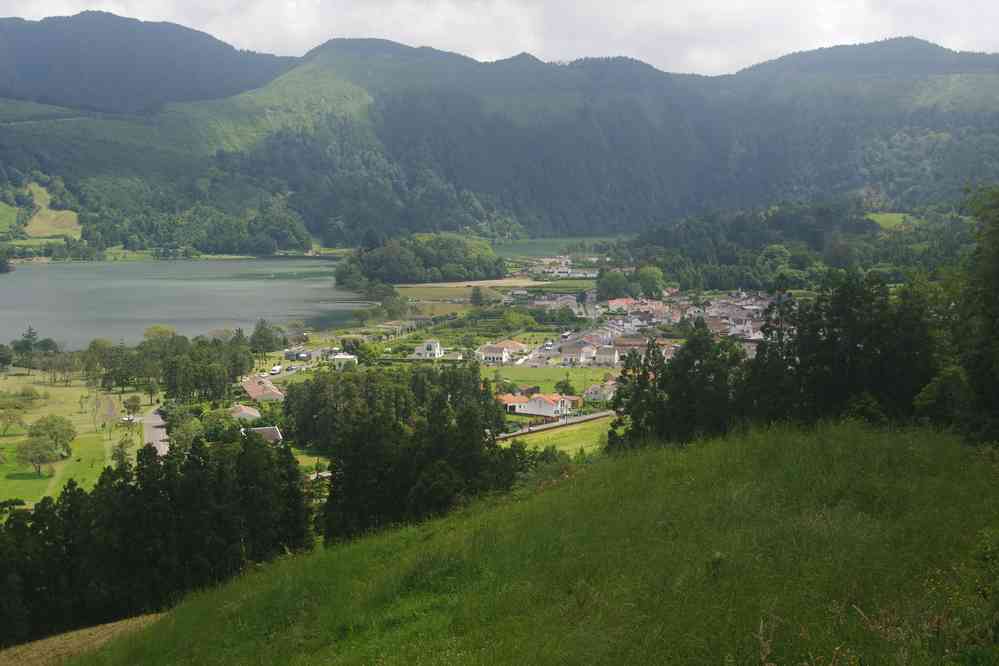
[
  {"x": 565, "y": 268},
  {"x": 549, "y": 406}
]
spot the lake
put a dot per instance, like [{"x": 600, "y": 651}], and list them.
[{"x": 74, "y": 303}]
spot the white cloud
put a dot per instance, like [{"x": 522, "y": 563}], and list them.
[{"x": 706, "y": 36}]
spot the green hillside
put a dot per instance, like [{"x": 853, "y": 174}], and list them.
[
  {"x": 366, "y": 135},
  {"x": 840, "y": 545}
]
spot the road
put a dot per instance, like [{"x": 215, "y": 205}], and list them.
[
  {"x": 154, "y": 432},
  {"x": 572, "y": 420}
]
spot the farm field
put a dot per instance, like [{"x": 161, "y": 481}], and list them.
[
  {"x": 8, "y": 216},
  {"x": 543, "y": 247},
  {"x": 47, "y": 223},
  {"x": 587, "y": 437},
  {"x": 546, "y": 378},
  {"x": 91, "y": 449}
]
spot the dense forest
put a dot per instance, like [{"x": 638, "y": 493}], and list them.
[
  {"x": 794, "y": 246},
  {"x": 420, "y": 258},
  {"x": 368, "y": 135}
]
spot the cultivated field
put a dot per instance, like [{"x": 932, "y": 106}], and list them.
[{"x": 48, "y": 223}]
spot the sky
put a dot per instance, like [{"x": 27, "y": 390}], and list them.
[{"x": 699, "y": 36}]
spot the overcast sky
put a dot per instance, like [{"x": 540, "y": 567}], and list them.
[{"x": 703, "y": 36}]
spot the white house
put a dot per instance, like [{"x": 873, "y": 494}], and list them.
[
  {"x": 341, "y": 361},
  {"x": 429, "y": 350},
  {"x": 494, "y": 354},
  {"x": 549, "y": 406},
  {"x": 607, "y": 355}
]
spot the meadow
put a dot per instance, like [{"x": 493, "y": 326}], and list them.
[
  {"x": 838, "y": 545},
  {"x": 48, "y": 223},
  {"x": 890, "y": 220}
]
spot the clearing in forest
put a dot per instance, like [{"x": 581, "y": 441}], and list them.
[{"x": 48, "y": 223}]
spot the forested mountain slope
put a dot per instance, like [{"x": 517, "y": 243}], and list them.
[
  {"x": 100, "y": 61},
  {"x": 372, "y": 136}
]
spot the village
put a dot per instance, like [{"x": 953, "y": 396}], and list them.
[{"x": 558, "y": 367}]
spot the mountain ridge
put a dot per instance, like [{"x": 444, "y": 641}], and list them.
[{"x": 369, "y": 135}]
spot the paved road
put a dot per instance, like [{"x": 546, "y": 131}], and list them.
[
  {"x": 154, "y": 432},
  {"x": 573, "y": 420}
]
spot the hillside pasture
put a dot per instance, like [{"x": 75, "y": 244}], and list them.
[
  {"x": 834, "y": 545},
  {"x": 48, "y": 223}
]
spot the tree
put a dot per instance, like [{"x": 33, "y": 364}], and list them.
[
  {"x": 37, "y": 452},
  {"x": 612, "y": 284},
  {"x": 133, "y": 404},
  {"x": 9, "y": 418},
  {"x": 477, "y": 300},
  {"x": 6, "y": 358},
  {"x": 565, "y": 387},
  {"x": 25, "y": 347},
  {"x": 266, "y": 338},
  {"x": 651, "y": 281},
  {"x": 979, "y": 332},
  {"x": 57, "y": 430}
]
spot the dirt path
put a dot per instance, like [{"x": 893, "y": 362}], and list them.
[{"x": 57, "y": 649}]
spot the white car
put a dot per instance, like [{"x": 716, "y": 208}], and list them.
[{"x": 276, "y": 370}]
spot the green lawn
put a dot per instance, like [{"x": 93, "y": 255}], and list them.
[
  {"x": 587, "y": 437},
  {"x": 546, "y": 378},
  {"x": 837, "y": 545},
  {"x": 8, "y": 216},
  {"x": 91, "y": 449}
]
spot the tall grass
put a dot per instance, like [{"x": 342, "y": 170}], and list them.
[{"x": 778, "y": 546}]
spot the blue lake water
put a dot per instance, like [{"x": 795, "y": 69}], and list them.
[{"x": 74, "y": 303}]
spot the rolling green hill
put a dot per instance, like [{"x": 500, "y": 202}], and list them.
[
  {"x": 368, "y": 135},
  {"x": 840, "y": 545}
]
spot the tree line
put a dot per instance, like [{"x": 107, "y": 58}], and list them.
[
  {"x": 147, "y": 533},
  {"x": 922, "y": 352},
  {"x": 404, "y": 443}
]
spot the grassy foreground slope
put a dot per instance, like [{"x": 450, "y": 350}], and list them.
[{"x": 776, "y": 547}]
